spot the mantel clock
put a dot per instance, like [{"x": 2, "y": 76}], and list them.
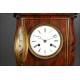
[{"x": 44, "y": 39}]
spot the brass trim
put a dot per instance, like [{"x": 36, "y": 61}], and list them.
[
  {"x": 67, "y": 34},
  {"x": 54, "y": 54},
  {"x": 67, "y": 31}
]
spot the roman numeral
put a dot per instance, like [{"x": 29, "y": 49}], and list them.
[
  {"x": 33, "y": 41},
  {"x": 54, "y": 36},
  {"x": 44, "y": 29},
  {"x": 55, "y": 40},
  {"x": 39, "y": 50},
  {"x": 39, "y": 31}
]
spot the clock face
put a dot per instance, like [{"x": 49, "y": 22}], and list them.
[{"x": 45, "y": 41}]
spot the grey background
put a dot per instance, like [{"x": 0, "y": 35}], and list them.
[
  {"x": 7, "y": 30},
  {"x": 77, "y": 33}
]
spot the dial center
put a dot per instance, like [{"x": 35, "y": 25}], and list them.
[{"x": 45, "y": 41}]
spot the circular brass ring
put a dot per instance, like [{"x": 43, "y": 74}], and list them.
[{"x": 50, "y": 56}]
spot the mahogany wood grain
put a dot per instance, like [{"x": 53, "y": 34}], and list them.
[{"x": 65, "y": 23}]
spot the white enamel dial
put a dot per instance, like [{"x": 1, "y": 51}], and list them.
[{"x": 45, "y": 40}]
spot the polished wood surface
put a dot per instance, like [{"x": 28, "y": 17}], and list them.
[{"x": 65, "y": 23}]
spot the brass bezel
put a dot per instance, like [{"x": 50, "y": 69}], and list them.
[{"x": 50, "y": 56}]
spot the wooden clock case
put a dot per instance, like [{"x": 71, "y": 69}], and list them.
[{"x": 65, "y": 24}]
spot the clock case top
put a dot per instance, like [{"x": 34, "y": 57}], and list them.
[
  {"x": 64, "y": 21},
  {"x": 17, "y": 15}
]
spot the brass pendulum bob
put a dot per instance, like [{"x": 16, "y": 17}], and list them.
[{"x": 21, "y": 43}]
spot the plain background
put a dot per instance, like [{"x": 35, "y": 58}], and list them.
[{"x": 7, "y": 30}]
